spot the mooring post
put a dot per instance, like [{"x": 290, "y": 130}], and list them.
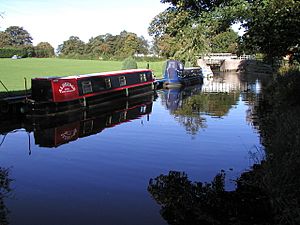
[{"x": 25, "y": 82}]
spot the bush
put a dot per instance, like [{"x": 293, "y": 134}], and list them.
[
  {"x": 10, "y": 52},
  {"x": 129, "y": 63}
]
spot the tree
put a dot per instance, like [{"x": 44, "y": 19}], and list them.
[
  {"x": 197, "y": 6},
  {"x": 73, "y": 46},
  {"x": 177, "y": 33},
  {"x": 93, "y": 47},
  {"x": 199, "y": 26},
  {"x": 18, "y": 36},
  {"x": 134, "y": 45},
  {"x": 106, "y": 46},
  {"x": 225, "y": 42},
  {"x": 4, "y": 40},
  {"x": 44, "y": 49},
  {"x": 273, "y": 27}
]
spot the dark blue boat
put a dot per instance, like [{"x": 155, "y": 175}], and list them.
[{"x": 175, "y": 75}]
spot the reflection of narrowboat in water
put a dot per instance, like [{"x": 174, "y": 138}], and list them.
[
  {"x": 61, "y": 130},
  {"x": 54, "y": 131},
  {"x": 52, "y": 95},
  {"x": 176, "y": 75}
]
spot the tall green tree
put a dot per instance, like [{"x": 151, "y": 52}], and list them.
[
  {"x": 191, "y": 25},
  {"x": 18, "y": 36},
  {"x": 272, "y": 27},
  {"x": 73, "y": 46},
  {"x": 225, "y": 42},
  {"x": 94, "y": 46}
]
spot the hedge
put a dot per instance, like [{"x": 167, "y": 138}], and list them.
[{"x": 9, "y": 52}]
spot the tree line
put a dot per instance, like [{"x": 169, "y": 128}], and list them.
[
  {"x": 192, "y": 27},
  {"x": 16, "y": 40},
  {"x": 108, "y": 46}
]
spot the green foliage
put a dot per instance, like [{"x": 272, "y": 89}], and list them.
[
  {"x": 225, "y": 42},
  {"x": 17, "y": 41},
  {"x": 190, "y": 28},
  {"x": 9, "y": 52},
  {"x": 72, "y": 46},
  {"x": 188, "y": 64},
  {"x": 44, "y": 50},
  {"x": 273, "y": 27},
  {"x": 18, "y": 36},
  {"x": 104, "y": 47},
  {"x": 129, "y": 63},
  {"x": 197, "y": 6},
  {"x": 4, "y": 40}
]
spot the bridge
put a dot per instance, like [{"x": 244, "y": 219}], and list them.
[{"x": 224, "y": 61}]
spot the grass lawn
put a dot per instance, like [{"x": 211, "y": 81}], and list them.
[{"x": 12, "y": 72}]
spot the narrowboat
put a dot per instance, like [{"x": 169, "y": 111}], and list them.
[
  {"x": 52, "y": 95},
  {"x": 176, "y": 75}
]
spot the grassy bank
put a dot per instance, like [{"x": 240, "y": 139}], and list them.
[{"x": 12, "y": 72}]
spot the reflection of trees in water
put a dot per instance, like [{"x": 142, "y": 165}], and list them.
[
  {"x": 4, "y": 192},
  {"x": 191, "y": 123},
  {"x": 184, "y": 202},
  {"x": 190, "y": 113}
]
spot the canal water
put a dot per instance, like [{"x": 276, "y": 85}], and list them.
[{"x": 94, "y": 167}]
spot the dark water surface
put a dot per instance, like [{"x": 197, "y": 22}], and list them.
[{"x": 95, "y": 167}]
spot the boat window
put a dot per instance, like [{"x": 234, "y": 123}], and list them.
[
  {"x": 87, "y": 87},
  {"x": 107, "y": 83},
  {"x": 143, "y": 77},
  {"x": 122, "y": 81}
]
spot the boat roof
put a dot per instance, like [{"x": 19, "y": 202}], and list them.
[{"x": 109, "y": 73}]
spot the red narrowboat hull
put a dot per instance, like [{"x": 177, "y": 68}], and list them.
[{"x": 63, "y": 94}]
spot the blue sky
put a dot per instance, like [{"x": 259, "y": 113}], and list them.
[{"x": 55, "y": 21}]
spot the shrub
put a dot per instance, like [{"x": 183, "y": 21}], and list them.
[
  {"x": 129, "y": 63},
  {"x": 9, "y": 52}
]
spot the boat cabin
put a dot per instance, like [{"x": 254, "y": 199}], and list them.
[
  {"x": 176, "y": 74},
  {"x": 62, "y": 89}
]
